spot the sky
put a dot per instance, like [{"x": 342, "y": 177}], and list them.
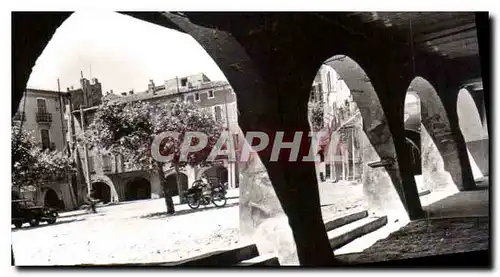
[{"x": 124, "y": 53}]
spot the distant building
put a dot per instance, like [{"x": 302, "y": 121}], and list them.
[
  {"x": 341, "y": 117},
  {"x": 114, "y": 181},
  {"x": 42, "y": 114}
]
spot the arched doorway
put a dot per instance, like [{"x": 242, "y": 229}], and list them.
[
  {"x": 103, "y": 179},
  {"x": 138, "y": 188},
  {"x": 359, "y": 122},
  {"x": 218, "y": 172},
  {"x": 171, "y": 183},
  {"x": 441, "y": 162},
  {"x": 51, "y": 199},
  {"x": 474, "y": 132},
  {"x": 101, "y": 191}
]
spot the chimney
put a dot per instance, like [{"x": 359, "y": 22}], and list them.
[
  {"x": 111, "y": 91},
  {"x": 151, "y": 86}
]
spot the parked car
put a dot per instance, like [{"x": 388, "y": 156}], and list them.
[{"x": 25, "y": 211}]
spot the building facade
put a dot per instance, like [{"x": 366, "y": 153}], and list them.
[
  {"x": 42, "y": 114},
  {"x": 114, "y": 180},
  {"x": 343, "y": 126}
]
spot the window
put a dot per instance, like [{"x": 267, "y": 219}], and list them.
[
  {"x": 210, "y": 94},
  {"x": 106, "y": 163},
  {"x": 184, "y": 82},
  {"x": 196, "y": 96},
  {"x": 44, "y": 134},
  {"x": 42, "y": 105},
  {"x": 218, "y": 113}
]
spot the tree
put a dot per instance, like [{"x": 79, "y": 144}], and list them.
[
  {"x": 31, "y": 165},
  {"x": 316, "y": 115},
  {"x": 23, "y": 158},
  {"x": 128, "y": 129}
]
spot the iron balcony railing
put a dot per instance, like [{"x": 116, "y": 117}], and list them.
[{"x": 43, "y": 117}]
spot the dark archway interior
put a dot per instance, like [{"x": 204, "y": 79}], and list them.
[
  {"x": 137, "y": 189},
  {"x": 102, "y": 192},
  {"x": 171, "y": 183},
  {"x": 218, "y": 172},
  {"x": 52, "y": 200}
]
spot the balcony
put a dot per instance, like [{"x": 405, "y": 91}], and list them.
[
  {"x": 43, "y": 117},
  {"x": 19, "y": 116}
]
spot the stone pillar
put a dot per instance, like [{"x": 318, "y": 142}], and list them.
[
  {"x": 229, "y": 175},
  {"x": 435, "y": 177},
  {"x": 353, "y": 156},
  {"x": 156, "y": 188},
  {"x": 191, "y": 174},
  {"x": 380, "y": 193},
  {"x": 262, "y": 219},
  {"x": 343, "y": 166}
]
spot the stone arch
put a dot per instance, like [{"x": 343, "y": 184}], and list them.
[
  {"x": 474, "y": 132},
  {"x": 441, "y": 169},
  {"x": 101, "y": 191},
  {"x": 171, "y": 183},
  {"x": 137, "y": 188},
  {"x": 113, "y": 195},
  {"x": 215, "y": 171},
  {"x": 382, "y": 186},
  {"x": 52, "y": 198}
]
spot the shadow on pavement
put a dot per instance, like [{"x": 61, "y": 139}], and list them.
[
  {"x": 45, "y": 225},
  {"x": 187, "y": 211}
]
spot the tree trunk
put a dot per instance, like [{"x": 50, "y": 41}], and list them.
[
  {"x": 167, "y": 194},
  {"x": 179, "y": 184}
]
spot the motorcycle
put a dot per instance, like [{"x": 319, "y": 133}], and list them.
[{"x": 204, "y": 193}]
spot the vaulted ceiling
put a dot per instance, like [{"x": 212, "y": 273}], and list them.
[{"x": 450, "y": 34}]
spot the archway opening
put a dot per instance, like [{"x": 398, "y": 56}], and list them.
[
  {"x": 475, "y": 134},
  {"x": 101, "y": 191},
  {"x": 171, "y": 183},
  {"x": 433, "y": 153},
  {"x": 52, "y": 200},
  {"x": 217, "y": 172},
  {"x": 137, "y": 189},
  {"x": 352, "y": 134}
]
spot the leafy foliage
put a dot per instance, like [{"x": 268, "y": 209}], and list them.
[
  {"x": 128, "y": 129},
  {"x": 31, "y": 166},
  {"x": 316, "y": 115}
]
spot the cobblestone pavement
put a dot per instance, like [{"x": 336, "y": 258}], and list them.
[{"x": 140, "y": 231}]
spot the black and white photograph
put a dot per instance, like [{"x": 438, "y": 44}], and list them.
[{"x": 229, "y": 139}]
